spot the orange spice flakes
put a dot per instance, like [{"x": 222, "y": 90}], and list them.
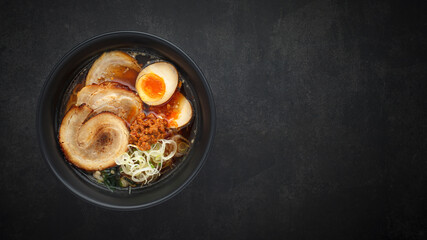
[{"x": 146, "y": 130}]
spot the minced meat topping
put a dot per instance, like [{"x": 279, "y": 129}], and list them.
[{"x": 146, "y": 130}]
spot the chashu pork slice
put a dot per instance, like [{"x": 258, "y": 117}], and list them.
[
  {"x": 94, "y": 143},
  {"x": 115, "y": 66},
  {"x": 111, "y": 97}
]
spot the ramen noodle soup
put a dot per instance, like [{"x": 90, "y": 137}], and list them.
[{"x": 127, "y": 119}]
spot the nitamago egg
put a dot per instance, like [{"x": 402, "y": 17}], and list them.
[
  {"x": 177, "y": 111},
  {"x": 156, "y": 83}
]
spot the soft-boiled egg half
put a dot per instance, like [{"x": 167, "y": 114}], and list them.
[
  {"x": 177, "y": 111},
  {"x": 156, "y": 83}
]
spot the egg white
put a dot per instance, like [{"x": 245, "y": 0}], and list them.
[{"x": 185, "y": 112}]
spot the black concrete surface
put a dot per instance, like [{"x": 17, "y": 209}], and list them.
[{"x": 321, "y": 105}]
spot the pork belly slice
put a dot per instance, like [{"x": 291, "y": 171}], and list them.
[
  {"x": 111, "y": 97},
  {"x": 92, "y": 143}
]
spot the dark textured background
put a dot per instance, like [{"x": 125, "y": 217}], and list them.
[{"x": 321, "y": 110}]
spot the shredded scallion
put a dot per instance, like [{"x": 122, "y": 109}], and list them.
[{"x": 145, "y": 166}]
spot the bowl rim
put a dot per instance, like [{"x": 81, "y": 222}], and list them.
[{"x": 50, "y": 79}]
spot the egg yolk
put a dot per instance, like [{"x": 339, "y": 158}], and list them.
[{"x": 153, "y": 85}]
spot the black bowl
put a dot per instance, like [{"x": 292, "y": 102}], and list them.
[{"x": 51, "y": 98}]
